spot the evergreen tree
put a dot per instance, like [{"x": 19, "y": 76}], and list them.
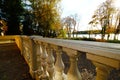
[{"x": 12, "y": 10}]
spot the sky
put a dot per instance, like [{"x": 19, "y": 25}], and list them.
[{"x": 84, "y": 8}]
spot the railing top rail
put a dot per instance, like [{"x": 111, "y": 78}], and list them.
[
  {"x": 7, "y": 37},
  {"x": 110, "y": 50}
]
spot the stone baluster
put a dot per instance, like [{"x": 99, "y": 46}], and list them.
[
  {"x": 39, "y": 66},
  {"x": 22, "y": 46},
  {"x": 33, "y": 57},
  {"x": 44, "y": 56},
  {"x": 73, "y": 73},
  {"x": 50, "y": 61},
  {"x": 24, "y": 49},
  {"x": 59, "y": 65}
]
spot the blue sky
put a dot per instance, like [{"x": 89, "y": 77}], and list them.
[{"x": 84, "y": 8}]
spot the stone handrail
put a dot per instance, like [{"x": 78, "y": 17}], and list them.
[
  {"x": 43, "y": 56},
  {"x": 104, "y": 56},
  {"x": 12, "y": 38}
]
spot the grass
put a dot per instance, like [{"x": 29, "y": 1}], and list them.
[
  {"x": 113, "y": 41},
  {"x": 98, "y": 40}
]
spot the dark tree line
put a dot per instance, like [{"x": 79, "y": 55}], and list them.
[
  {"x": 37, "y": 17},
  {"x": 11, "y": 11}
]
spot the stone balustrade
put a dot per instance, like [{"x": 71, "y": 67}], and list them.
[{"x": 44, "y": 57}]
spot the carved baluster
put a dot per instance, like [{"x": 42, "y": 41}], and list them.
[
  {"x": 59, "y": 65},
  {"x": 33, "y": 58},
  {"x": 39, "y": 67},
  {"x": 73, "y": 73},
  {"x": 44, "y": 63},
  {"x": 50, "y": 61}
]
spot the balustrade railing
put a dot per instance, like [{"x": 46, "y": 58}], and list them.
[{"x": 44, "y": 57}]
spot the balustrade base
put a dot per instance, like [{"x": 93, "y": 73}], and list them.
[
  {"x": 60, "y": 76},
  {"x": 33, "y": 73}
]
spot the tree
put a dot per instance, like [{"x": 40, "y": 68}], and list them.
[
  {"x": 90, "y": 23},
  {"x": 109, "y": 14},
  {"x": 117, "y": 24},
  {"x": 99, "y": 17},
  {"x": 68, "y": 23},
  {"x": 103, "y": 15},
  {"x": 76, "y": 20},
  {"x": 3, "y": 27},
  {"x": 27, "y": 24},
  {"x": 46, "y": 16},
  {"x": 12, "y": 10},
  {"x": 93, "y": 23}
]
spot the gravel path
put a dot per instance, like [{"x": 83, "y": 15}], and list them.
[{"x": 12, "y": 64}]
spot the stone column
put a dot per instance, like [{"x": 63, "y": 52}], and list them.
[
  {"x": 39, "y": 66},
  {"x": 103, "y": 65},
  {"x": 44, "y": 55},
  {"x": 50, "y": 62},
  {"x": 59, "y": 65},
  {"x": 33, "y": 58},
  {"x": 73, "y": 72},
  {"x": 103, "y": 71}
]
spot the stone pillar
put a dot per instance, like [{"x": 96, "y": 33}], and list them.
[
  {"x": 73, "y": 73},
  {"x": 59, "y": 65},
  {"x": 103, "y": 65},
  {"x": 44, "y": 56},
  {"x": 33, "y": 58},
  {"x": 39, "y": 66},
  {"x": 50, "y": 62},
  {"x": 103, "y": 71},
  {"x": 22, "y": 46}
]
